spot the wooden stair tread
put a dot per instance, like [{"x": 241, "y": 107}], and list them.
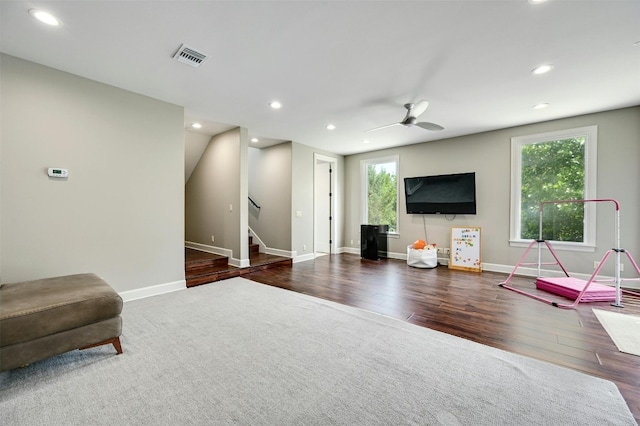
[{"x": 203, "y": 268}]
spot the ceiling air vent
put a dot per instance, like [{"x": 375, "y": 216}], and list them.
[{"x": 190, "y": 56}]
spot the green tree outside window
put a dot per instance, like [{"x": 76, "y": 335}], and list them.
[
  {"x": 551, "y": 171},
  {"x": 382, "y": 195}
]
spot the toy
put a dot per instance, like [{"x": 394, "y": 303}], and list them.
[{"x": 419, "y": 244}]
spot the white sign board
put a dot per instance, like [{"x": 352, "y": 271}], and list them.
[{"x": 465, "y": 249}]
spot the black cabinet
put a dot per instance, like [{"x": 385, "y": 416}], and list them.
[{"x": 373, "y": 241}]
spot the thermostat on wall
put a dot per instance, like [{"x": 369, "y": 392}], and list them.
[{"x": 58, "y": 173}]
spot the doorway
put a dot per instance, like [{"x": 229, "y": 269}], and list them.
[{"x": 324, "y": 202}]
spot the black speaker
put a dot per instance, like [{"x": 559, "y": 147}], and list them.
[{"x": 373, "y": 241}]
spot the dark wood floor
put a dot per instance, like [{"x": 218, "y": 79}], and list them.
[
  {"x": 471, "y": 305},
  {"x": 203, "y": 268}
]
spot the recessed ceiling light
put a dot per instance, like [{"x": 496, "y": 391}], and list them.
[
  {"x": 45, "y": 17},
  {"x": 542, "y": 69},
  {"x": 275, "y": 105},
  {"x": 365, "y": 141},
  {"x": 537, "y": 1},
  {"x": 196, "y": 125},
  {"x": 330, "y": 127},
  {"x": 255, "y": 140},
  {"x": 541, "y": 106}
]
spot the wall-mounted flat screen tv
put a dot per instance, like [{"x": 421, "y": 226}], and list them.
[{"x": 441, "y": 194}]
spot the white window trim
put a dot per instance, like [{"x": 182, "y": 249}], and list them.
[
  {"x": 364, "y": 186},
  {"x": 591, "y": 144}
]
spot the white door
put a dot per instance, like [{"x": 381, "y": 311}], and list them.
[{"x": 324, "y": 184}]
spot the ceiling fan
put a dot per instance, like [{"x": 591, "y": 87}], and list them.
[{"x": 411, "y": 119}]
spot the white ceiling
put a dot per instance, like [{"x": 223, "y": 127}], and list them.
[{"x": 350, "y": 63}]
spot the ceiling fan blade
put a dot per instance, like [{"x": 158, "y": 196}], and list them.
[
  {"x": 383, "y": 127},
  {"x": 419, "y": 108},
  {"x": 430, "y": 126}
]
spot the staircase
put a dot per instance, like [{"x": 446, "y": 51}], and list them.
[{"x": 203, "y": 268}]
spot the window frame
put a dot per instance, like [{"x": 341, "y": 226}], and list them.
[
  {"x": 590, "y": 133},
  {"x": 364, "y": 186}
]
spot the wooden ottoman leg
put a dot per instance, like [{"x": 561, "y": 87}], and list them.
[
  {"x": 117, "y": 345},
  {"x": 115, "y": 342}
]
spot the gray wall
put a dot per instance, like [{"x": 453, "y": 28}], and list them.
[
  {"x": 120, "y": 213},
  {"x": 194, "y": 146},
  {"x": 216, "y": 195},
  {"x": 488, "y": 154},
  {"x": 270, "y": 188},
  {"x": 281, "y": 179}
]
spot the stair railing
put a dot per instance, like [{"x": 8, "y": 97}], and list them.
[{"x": 254, "y": 204}]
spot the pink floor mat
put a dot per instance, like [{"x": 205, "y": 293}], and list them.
[{"x": 571, "y": 287}]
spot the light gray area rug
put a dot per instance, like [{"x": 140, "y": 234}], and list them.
[
  {"x": 242, "y": 353},
  {"x": 623, "y": 329}
]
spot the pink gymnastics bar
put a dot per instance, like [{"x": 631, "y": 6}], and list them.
[{"x": 572, "y": 284}]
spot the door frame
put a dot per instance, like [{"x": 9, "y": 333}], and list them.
[{"x": 318, "y": 216}]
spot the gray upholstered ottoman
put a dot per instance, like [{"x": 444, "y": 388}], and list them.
[{"x": 47, "y": 317}]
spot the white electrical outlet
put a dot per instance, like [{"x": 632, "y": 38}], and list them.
[
  {"x": 213, "y": 239},
  {"x": 304, "y": 247},
  {"x": 351, "y": 242},
  {"x": 596, "y": 264}
]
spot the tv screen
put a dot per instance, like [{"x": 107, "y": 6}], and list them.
[{"x": 442, "y": 194}]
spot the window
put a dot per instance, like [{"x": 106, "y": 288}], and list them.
[
  {"x": 550, "y": 167},
  {"x": 380, "y": 197}
]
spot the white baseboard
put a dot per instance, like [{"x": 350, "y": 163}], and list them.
[
  {"x": 340, "y": 250},
  {"x": 304, "y": 257},
  {"x": 356, "y": 250},
  {"x": 533, "y": 272},
  {"x": 507, "y": 269},
  {"x": 238, "y": 263},
  {"x": 278, "y": 252},
  {"x": 529, "y": 272},
  {"x": 209, "y": 249},
  {"x": 350, "y": 250},
  {"x": 154, "y": 290},
  {"x": 257, "y": 240},
  {"x": 141, "y": 293}
]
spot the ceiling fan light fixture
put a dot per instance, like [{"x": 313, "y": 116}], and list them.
[
  {"x": 411, "y": 118},
  {"x": 410, "y": 121}
]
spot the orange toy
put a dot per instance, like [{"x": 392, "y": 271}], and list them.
[{"x": 420, "y": 244}]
